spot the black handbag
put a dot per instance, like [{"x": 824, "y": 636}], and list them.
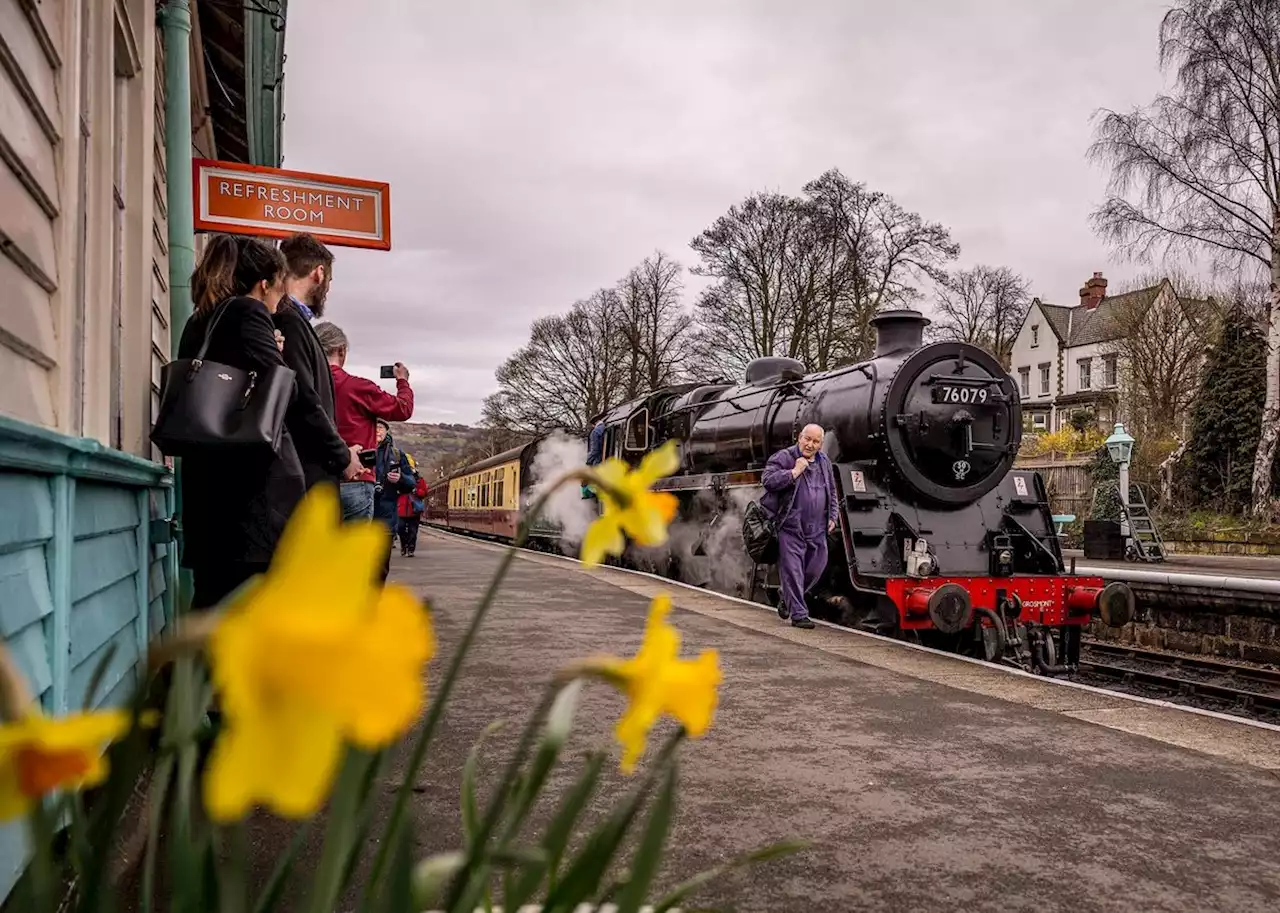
[
  {"x": 760, "y": 531},
  {"x": 207, "y": 406}
]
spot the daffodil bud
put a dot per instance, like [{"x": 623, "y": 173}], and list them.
[
  {"x": 432, "y": 875},
  {"x": 560, "y": 716}
]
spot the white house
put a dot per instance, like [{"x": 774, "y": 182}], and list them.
[{"x": 1065, "y": 358}]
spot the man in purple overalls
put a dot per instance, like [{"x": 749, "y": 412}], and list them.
[{"x": 800, "y": 492}]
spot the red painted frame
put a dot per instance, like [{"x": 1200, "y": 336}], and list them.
[
  {"x": 356, "y": 183},
  {"x": 982, "y": 591}
]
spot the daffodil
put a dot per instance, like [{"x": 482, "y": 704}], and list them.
[
  {"x": 39, "y": 754},
  {"x": 314, "y": 654},
  {"x": 629, "y": 506},
  {"x": 657, "y": 681}
]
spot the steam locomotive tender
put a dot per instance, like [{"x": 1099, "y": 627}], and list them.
[{"x": 941, "y": 540}]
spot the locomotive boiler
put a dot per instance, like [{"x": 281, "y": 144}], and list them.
[{"x": 941, "y": 539}]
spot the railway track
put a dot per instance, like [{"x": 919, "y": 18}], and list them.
[{"x": 1212, "y": 684}]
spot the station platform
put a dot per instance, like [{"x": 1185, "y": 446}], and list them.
[
  {"x": 1264, "y": 567},
  {"x": 927, "y": 782}
]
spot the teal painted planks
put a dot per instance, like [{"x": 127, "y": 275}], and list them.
[
  {"x": 24, "y": 589},
  {"x": 102, "y": 561},
  {"x": 96, "y": 618},
  {"x": 27, "y": 515},
  {"x": 57, "y": 626},
  {"x": 30, "y": 650},
  {"x": 102, "y": 508},
  {"x": 14, "y": 850},
  {"x": 119, "y": 669}
]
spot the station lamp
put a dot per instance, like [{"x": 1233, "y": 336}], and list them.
[{"x": 1120, "y": 445}]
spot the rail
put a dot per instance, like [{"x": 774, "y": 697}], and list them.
[{"x": 1260, "y": 585}]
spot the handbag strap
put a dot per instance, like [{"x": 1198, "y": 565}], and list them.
[{"x": 213, "y": 325}]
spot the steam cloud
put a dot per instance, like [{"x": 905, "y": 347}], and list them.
[
  {"x": 567, "y": 509},
  {"x": 707, "y": 544},
  {"x": 706, "y": 540}
]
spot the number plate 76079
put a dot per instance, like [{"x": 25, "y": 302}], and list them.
[{"x": 960, "y": 395}]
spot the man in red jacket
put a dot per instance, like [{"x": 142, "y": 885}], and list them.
[{"x": 358, "y": 405}]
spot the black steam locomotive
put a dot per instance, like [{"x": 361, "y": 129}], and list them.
[{"x": 941, "y": 539}]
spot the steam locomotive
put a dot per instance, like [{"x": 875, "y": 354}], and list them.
[{"x": 941, "y": 539}]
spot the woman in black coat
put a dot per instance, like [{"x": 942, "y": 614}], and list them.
[{"x": 235, "y": 506}]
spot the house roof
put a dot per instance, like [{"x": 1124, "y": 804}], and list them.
[{"x": 1081, "y": 326}]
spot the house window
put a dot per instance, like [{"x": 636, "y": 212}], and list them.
[
  {"x": 1024, "y": 381},
  {"x": 1035, "y": 335},
  {"x": 1085, "y": 366},
  {"x": 1109, "y": 371},
  {"x": 1044, "y": 380},
  {"x": 1040, "y": 421}
]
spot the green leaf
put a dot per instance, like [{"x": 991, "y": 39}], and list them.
[
  {"x": 470, "y": 814},
  {"x": 644, "y": 865},
  {"x": 126, "y": 760},
  {"x": 559, "y": 723},
  {"x": 155, "y": 811},
  {"x": 397, "y": 893},
  {"x": 95, "y": 680},
  {"x": 586, "y": 872},
  {"x": 339, "y": 837},
  {"x": 701, "y": 880},
  {"x": 274, "y": 888},
  {"x": 558, "y": 833}
]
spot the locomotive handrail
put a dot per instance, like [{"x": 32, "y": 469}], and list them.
[{"x": 1175, "y": 579}]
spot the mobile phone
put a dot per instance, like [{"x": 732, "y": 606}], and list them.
[
  {"x": 368, "y": 458},
  {"x": 388, "y": 370}
]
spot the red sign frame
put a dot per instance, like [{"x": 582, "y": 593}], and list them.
[{"x": 275, "y": 180}]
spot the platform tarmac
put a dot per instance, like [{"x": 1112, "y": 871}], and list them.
[{"x": 927, "y": 783}]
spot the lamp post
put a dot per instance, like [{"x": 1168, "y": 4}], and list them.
[{"x": 1120, "y": 449}]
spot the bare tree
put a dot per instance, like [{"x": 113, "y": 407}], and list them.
[
  {"x": 654, "y": 323},
  {"x": 572, "y": 369},
  {"x": 746, "y": 250},
  {"x": 1159, "y": 349},
  {"x": 803, "y": 277},
  {"x": 984, "y": 306},
  {"x": 1200, "y": 168},
  {"x": 880, "y": 250}
]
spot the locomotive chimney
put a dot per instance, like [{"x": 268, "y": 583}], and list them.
[{"x": 899, "y": 331}]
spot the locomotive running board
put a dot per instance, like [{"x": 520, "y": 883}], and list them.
[{"x": 711, "y": 480}]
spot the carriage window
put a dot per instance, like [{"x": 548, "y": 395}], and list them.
[{"x": 498, "y": 492}]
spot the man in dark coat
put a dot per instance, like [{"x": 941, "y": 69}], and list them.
[
  {"x": 800, "y": 492},
  {"x": 307, "y": 285}
]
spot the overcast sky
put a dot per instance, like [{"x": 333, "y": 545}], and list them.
[{"x": 537, "y": 150}]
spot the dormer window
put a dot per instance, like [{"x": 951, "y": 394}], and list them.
[{"x": 1035, "y": 335}]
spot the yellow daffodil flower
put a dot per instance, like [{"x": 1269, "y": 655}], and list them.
[
  {"x": 629, "y": 505},
  {"x": 40, "y": 754},
  {"x": 314, "y": 654},
  {"x": 657, "y": 681}
]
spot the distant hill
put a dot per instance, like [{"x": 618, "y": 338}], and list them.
[{"x": 448, "y": 447}]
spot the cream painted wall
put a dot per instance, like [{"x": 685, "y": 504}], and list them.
[{"x": 70, "y": 64}]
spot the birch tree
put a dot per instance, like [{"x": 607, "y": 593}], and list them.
[{"x": 1199, "y": 168}]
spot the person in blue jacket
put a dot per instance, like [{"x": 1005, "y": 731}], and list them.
[
  {"x": 394, "y": 476},
  {"x": 800, "y": 493},
  {"x": 595, "y": 453}
]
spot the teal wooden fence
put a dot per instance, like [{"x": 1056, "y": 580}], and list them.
[{"x": 85, "y": 563}]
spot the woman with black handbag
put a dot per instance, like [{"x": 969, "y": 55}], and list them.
[{"x": 238, "y": 493}]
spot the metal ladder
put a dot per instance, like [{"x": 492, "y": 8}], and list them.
[{"x": 1142, "y": 526}]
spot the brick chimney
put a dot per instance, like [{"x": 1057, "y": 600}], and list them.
[{"x": 1094, "y": 291}]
